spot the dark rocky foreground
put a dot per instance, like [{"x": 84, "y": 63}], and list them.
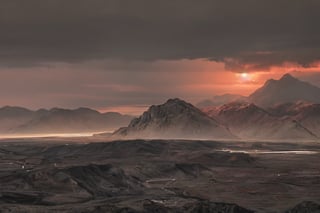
[{"x": 159, "y": 176}]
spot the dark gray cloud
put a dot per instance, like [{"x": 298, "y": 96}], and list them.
[
  {"x": 76, "y": 85},
  {"x": 261, "y": 33}
]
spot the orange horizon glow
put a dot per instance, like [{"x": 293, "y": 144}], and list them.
[
  {"x": 133, "y": 91},
  {"x": 210, "y": 83}
]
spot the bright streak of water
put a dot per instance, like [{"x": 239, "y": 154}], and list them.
[{"x": 297, "y": 152}]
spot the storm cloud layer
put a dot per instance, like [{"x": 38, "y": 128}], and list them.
[
  {"x": 246, "y": 34},
  {"x": 125, "y": 55}
]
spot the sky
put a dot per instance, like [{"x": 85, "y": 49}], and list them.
[{"x": 124, "y": 55}]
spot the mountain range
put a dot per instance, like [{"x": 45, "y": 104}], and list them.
[
  {"x": 249, "y": 121},
  {"x": 287, "y": 89},
  {"x": 18, "y": 120},
  {"x": 284, "y": 109},
  {"x": 307, "y": 114},
  {"x": 177, "y": 119}
]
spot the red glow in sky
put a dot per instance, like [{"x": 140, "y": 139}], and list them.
[{"x": 129, "y": 87}]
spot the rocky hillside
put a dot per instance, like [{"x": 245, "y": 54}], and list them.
[{"x": 174, "y": 119}]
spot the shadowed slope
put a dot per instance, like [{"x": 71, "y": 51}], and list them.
[{"x": 174, "y": 119}]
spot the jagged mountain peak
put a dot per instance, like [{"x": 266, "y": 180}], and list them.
[
  {"x": 167, "y": 112},
  {"x": 287, "y": 77},
  {"x": 174, "y": 119},
  {"x": 175, "y": 102},
  {"x": 285, "y": 90}
]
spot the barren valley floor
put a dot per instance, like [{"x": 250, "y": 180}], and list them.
[{"x": 158, "y": 176}]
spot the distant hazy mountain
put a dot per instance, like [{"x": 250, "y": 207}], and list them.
[
  {"x": 248, "y": 121},
  {"x": 219, "y": 100},
  {"x": 17, "y": 120},
  {"x": 11, "y": 117},
  {"x": 308, "y": 114},
  {"x": 174, "y": 119},
  {"x": 287, "y": 89},
  {"x": 289, "y": 109}
]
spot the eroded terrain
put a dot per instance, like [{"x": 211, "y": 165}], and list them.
[{"x": 158, "y": 176}]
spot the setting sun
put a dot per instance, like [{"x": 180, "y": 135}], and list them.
[{"x": 244, "y": 75}]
